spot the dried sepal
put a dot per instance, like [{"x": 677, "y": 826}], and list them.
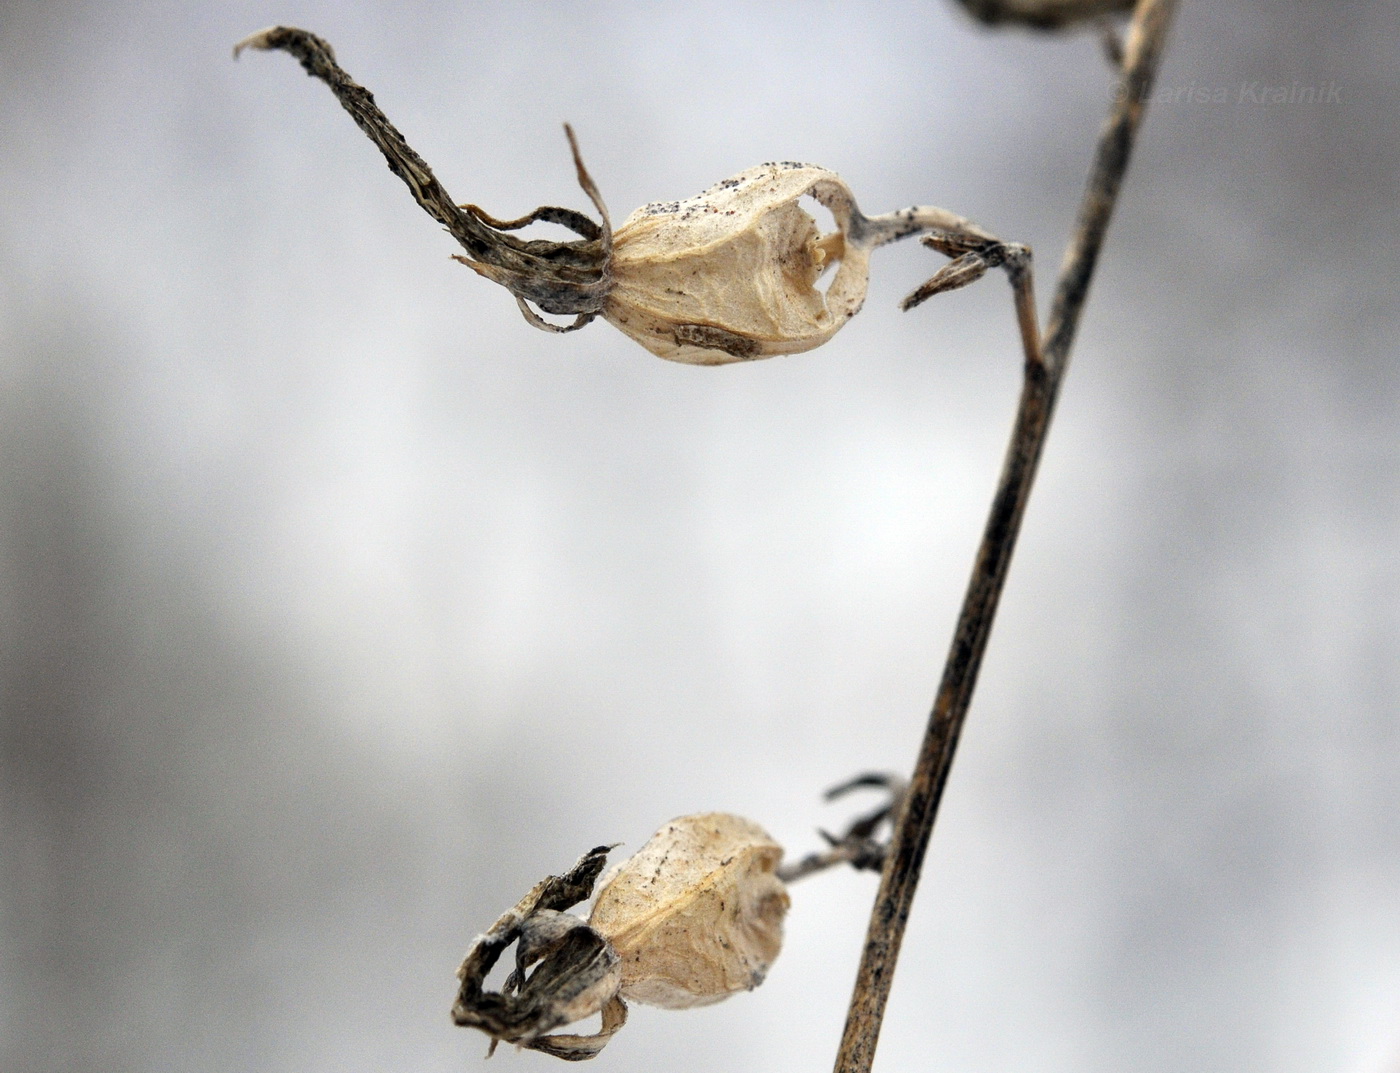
[
  {"x": 576, "y": 972},
  {"x": 697, "y": 914},
  {"x": 576, "y": 1048}
]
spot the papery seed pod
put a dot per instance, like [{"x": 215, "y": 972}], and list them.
[
  {"x": 730, "y": 274},
  {"x": 697, "y": 913}
]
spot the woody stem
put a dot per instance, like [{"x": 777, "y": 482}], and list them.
[
  {"x": 318, "y": 60},
  {"x": 1041, "y": 386}
]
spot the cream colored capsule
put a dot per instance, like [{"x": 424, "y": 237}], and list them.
[
  {"x": 697, "y": 914},
  {"x": 730, "y": 274}
]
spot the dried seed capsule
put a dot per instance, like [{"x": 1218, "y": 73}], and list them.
[
  {"x": 728, "y": 275},
  {"x": 697, "y": 914}
]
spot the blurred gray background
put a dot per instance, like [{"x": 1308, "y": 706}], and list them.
[{"x": 338, "y": 605}]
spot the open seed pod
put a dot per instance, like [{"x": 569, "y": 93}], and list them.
[
  {"x": 730, "y": 274},
  {"x": 697, "y": 913}
]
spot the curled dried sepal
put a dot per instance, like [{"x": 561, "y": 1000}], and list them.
[
  {"x": 576, "y": 1048},
  {"x": 576, "y": 972},
  {"x": 697, "y": 914}
]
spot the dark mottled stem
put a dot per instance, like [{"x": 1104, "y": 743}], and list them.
[
  {"x": 890, "y": 914},
  {"x": 559, "y": 277},
  {"x": 318, "y": 60}
]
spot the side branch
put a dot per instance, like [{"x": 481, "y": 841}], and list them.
[{"x": 900, "y": 876}]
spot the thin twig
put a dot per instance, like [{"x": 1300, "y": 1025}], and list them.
[
  {"x": 890, "y": 913},
  {"x": 860, "y": 847}
]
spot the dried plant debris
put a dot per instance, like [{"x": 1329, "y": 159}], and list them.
[
  {"x": 729, "y": 275},
  {"x": 576, "y": 973},
  {"x": 1045, "y": 14},
  {"x": 694, "y": 917}
]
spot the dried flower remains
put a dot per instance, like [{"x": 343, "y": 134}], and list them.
[
  {"x": 729, "y": 275},
  {"x": 694, "y": 917}
]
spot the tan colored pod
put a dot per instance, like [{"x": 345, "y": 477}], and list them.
[
  {"x": 730, "y": 275},
  {"x": 697, "y": 914}
]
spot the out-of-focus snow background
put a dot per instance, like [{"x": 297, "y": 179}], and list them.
[{"x": 338, "y": 605}]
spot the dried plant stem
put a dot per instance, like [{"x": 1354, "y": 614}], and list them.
[
  {"x": 900, "y": 876},
  {"x": 559, "y": 277}
]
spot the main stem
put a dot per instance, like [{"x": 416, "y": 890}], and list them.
[{"x": 1040, "y": 390}]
